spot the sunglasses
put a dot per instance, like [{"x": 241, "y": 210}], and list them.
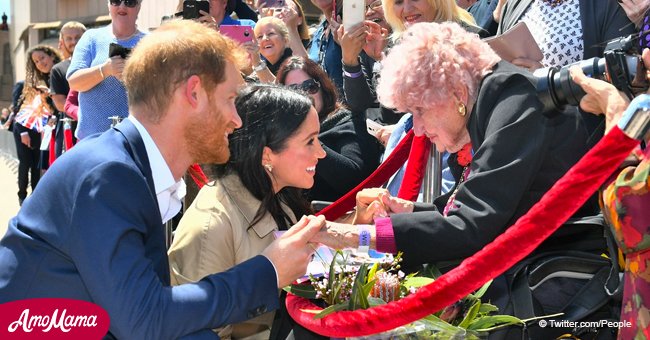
[
  {"x": 127, "y": 3},
  {"x": 310, "y": 86}
]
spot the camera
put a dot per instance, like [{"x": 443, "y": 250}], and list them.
[{"x": 621, "y": 66}]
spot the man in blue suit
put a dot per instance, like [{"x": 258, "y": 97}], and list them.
[{"x": 93, "y": 229}]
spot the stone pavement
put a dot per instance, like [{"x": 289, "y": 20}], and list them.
[{"x": 8, "y": 189}]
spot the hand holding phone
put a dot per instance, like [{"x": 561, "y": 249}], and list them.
[
  {"x": 373, "y": 127},
  {"x": 192, "y": 8}
]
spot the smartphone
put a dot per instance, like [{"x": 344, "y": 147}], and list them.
[
  {"x": 239, "y": 33},
  {"x": 354, "y": 12},
  {"x": 118, "y": 50},
  {"x": 192, "y": 8},
  {"x": 373, "y": 127}
]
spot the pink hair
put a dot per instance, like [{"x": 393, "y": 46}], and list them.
[{"x": 431, "y": 64}]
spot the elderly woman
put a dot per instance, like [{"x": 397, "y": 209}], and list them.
[
  {"x": 271, "y": 48},
  {"x": 97, "y": 76},
  {"x": 462, "y": 94}
]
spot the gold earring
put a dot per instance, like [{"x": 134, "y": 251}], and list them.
[
  {"x": 268, "y": 167},
  {"x": 462, "y": 110}
]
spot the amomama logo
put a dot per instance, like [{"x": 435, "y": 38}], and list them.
[{"x": 52, "y": 319}]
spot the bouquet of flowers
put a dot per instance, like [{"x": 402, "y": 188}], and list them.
[{"x": 348, "y": 286}]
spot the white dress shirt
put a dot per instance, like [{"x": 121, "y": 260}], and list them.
[{"x": 169, "y": 192}]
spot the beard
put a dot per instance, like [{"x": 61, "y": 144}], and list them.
[{"x": 205, "y": 138}]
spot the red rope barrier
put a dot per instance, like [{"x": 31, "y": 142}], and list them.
[
  {"x": 415, "y": 169},
  {"x": 376, "y": 179},
  {"x": 582, "y": 180},
  {"x": 67, "y": 136}
]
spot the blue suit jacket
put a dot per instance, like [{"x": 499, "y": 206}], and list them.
[{"x": 92, "y": 231}]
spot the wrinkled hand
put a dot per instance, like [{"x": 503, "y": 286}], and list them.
[
  {"x": 24, "y": 138},
  {"x": 635, "y": 9},
  {"x": 376, "y": 40},
  {"x": 531, "y": 65},
  {"x": 377, "y": 202},
  {"x": 291, "y": 253},
  {"x": 114, "y": 67},
  {"x": 352, "y": 42},
  {"x": 339, "y": 236}
]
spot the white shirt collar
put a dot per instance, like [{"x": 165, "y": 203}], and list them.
[{"x": 168, "y": 191}]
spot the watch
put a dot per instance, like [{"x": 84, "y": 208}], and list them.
[{"x": 260, "y": 66}]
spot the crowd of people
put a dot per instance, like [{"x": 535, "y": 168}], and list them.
[{"x": 280, "y": 121}]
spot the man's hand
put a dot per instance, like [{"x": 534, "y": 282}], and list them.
[{"x": 291, "y": 253}]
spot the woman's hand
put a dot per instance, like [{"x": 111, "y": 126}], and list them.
[
  {"x": 207, "y": 20},
  {"x": 376, "y": 40},
  {"x": 377, "y": 202},
  {"x": 635, "y": 9},
  {"x": 289, "y": 16},
  {"x": 253, "y": 50},
  {"x": 383, "y": 133},
  {"x": 339, "y": 236},
  {"x": 528, "y": 64},
  {"x": 113, "y": 67},
  {"x": 24, "y": 138},
  {"x": 352, "y": 42}
]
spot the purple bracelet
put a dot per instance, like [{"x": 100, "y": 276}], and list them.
[{"x": 353, "y": 74}]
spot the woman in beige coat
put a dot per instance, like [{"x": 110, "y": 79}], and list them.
[{"x": 258, "y": 191}]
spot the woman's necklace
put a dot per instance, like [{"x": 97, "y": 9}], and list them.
[
  {"x": 464, "y": 158},
  {"x": 136, "y": 32}
]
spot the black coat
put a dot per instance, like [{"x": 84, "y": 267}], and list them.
[
  {"x": 352, "y": 155},
  {"x": 519, "y": 154}
]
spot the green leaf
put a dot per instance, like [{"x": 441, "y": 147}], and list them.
[
  {"x": 372, "y": 272},
  {"x": 431, "y": 271},
  {"x": 487, "y": 308},
  {"x": 373, "y": 301},
  {"x": 492, "y": 322},
  {"x": 367, "y": 288},
  {"x": 437, "y": 323},
  {"x": 417, "y": 281},
  {"x": 471, "y": 314},
  {"x": 331, "y": 309},
  {"x": 359, "y": 300},
  {"x": 479, "y": 293},
  {"x": 304, "y": 291}
]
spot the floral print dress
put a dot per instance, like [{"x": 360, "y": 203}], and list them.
[{"x": 626, "y": 205}]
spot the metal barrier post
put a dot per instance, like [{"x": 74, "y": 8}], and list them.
[{"x": 432, "y": 183}]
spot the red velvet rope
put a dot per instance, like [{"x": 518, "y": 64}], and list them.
[
  {"x": 415, "y": 169},
  {"x": 198, "y": 175},
  {"x": 377, "y": 178},
  {"x": 67, "y": 136},
  {"x": 555, "y": 207}
]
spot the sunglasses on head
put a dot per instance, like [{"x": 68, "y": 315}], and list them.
[
  {"x": 310, "y": 86},
  {"x": 127, "y": 3}
]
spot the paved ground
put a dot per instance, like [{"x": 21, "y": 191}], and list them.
[{"x": 8, "y": 188}]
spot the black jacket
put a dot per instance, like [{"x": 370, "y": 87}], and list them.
[{"x": 352, "y": 154}]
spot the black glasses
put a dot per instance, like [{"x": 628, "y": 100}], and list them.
[
  {"x": 127, "y": 3},
  {"x": 374, "y": 6},
  {"x": 310, "y": 86}
]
